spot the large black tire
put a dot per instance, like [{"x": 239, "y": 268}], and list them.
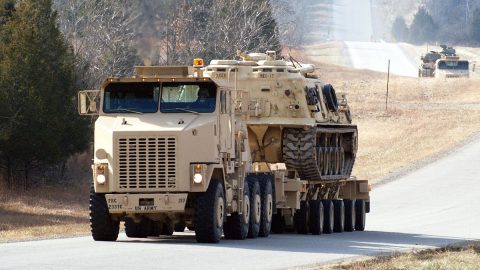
[
  {"x": 266, "y": 190},
  {"x": 237, "y": 224},
  {"x": 301, "y": 218},
  {"x": 328, "y": 216},
  {"x": 180, "y": 226},
  {"x": 102, "y": 225},
  {"x": 316, "y": 217},
  {"x": 349, "y": 215},
  {"x": 167, "y": 229},
  {"x": 360, "y": 215},
  {"x": 141, "y": 229},
  {"x": 210, "y": 213},
  {"x": 255, "y": 206},
  {"x": 330, "y": 97},
  {"x": 339, "y": 222},
  {"x": 278, "y": 223}
]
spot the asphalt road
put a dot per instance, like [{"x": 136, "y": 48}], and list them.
[{"x": 431, "y": 207}]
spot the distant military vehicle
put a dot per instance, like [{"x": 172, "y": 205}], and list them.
[
  {"x": 443, "y": 64},
  {"x": 239, "y": 147}
]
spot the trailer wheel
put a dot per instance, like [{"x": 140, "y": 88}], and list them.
[
  {"x": 301, "y": 218},
  {"x": 255, "y": 206},
  {"x": 210, "y": 213},
  {"x": 278, "y": 223},
  {"x": 102, "y": 225},
  {"x": 267, "y": 207},
  {"x": 237, "y": 224},
  {"x": 339, "y": 220},
  {"x": 349, "y": 215},
  {"x": 141, "y": 229},
  {"x": 360, "y": 215},
  {"x": 328, "y": 211},
  {"x": 316, "y": 217}
]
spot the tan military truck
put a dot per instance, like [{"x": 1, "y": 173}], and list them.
[
  {"x": 444, "y": 64},
  {"x": 239, "y": 148}
]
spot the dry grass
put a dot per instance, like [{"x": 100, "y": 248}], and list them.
[
  {"x": 45, "y": 212},
  {"x": 452, "y": 258}
]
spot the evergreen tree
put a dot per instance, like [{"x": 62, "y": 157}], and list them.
[
  {"x": 400, "y": 29},
  {"x": 423, "y": 28},
  {"x": 39, "y": 123}
]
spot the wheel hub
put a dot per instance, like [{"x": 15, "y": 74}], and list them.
[
  {"x": 258, "y": 208},
  {"x": 220, "y": 212}
]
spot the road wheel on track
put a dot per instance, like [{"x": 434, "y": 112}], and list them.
[
  {"x": 210, "y": 213},
  {"x": 255, "y": 206},
  {"x": 326, "y": 161},
  {"x": 237, "y": 224},
  {"x": 328, "y": 216},
  {"x": 339, "y": 209},
  {"x": 266, "y": 190},
  {"x": 349, "y": 215},
  {"x": 301, "y": 218},
  {"x": 360, "y": 215},
  {"x": 140, "y": 229},
  {"x": 102, "y": 225},
  {"x": 316, "y": 217}
]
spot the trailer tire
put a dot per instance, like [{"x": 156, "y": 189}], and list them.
[
  {"x": 329, "y": 217},
  {"x": 316, "y": 217},
  {"x": 103, "y": 227},
  {"x": 278, "y": 223},
  {"x": 255, "y": 206},
  {"x": 360, "y": 215},
  {"x": 210, "y": 213},
  {"x": 301, "y": 218},
  {"x": 237, "y": 224},
  {"x": 267, "y": 207},
  {"x": 349, "y": 215},
  {"x": 339, "y": 222},
  {"x": 141, "y": 229}
]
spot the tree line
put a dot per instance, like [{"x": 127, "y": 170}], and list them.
[
  {"x": 445, "y": 21},
  {"x": 50, "y": 49}
]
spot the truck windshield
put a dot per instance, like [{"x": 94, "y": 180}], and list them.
[
  {"x": 453, "y": 65},
  {"x": 184, "y": 97},
  {"x": 131, "y": 98}
]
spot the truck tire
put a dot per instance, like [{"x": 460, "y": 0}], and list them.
[
  {"x": 339, "y": 220},
  {"x": 278, "y": 223},
  {"x": 210, "y": 213},
  {"x": 167, "y": 229},
  {"x": 360, "y": 215},
  {"x": 349, "y": 215},
  {"x": 141, "y": 229},
  {"x": 179, "y": 227},
  {"x": 328, "y": 217},
  {"x": 316, "y": 217},
  {"x": 266, "y": 190},
  {"x": 237, "y": 224},
  {"x": 255, "y": 206},
  {"x": 301, "y": 218},
  {"x": 102, "y": 225}
]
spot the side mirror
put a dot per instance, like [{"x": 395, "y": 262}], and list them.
[{"x": 88, "y": 102}]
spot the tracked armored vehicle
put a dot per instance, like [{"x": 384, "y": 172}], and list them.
[{"x": 294, "y": 117}]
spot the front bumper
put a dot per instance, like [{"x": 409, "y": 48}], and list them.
[{"x": 146, "y": 203}]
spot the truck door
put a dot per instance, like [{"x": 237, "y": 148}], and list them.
[{"x": 227, "y": 122}]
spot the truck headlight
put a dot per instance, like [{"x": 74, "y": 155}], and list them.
[
  {"x": 197, "y": 178},
  {"x": 101, "y": 179}
]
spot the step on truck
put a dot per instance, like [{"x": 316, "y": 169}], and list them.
[{"x": 238, "y": 148}]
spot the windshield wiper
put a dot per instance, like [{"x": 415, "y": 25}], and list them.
[
  {"x": 181, "y": 109},
  {"x": 125, "y": 110}
]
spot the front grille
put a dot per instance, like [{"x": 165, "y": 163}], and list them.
[{"x": 146, "y": 163}]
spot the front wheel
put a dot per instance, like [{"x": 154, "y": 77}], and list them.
[
  {"x": 102, "y": 225},
  {"x": 210, "y": 213}
]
